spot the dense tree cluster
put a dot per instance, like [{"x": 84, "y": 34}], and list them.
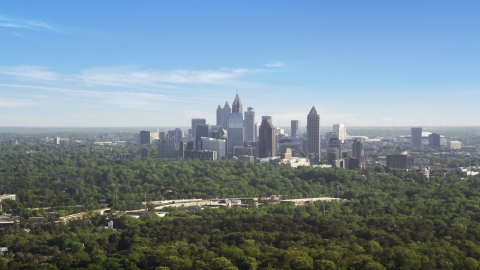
[{"x": 389, "y": 221}]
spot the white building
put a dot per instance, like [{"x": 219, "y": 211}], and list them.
[
  {"x": 341, "y": 130},
  {"x": 217, "y": 145},
  {"x": 455, "y": 145},
  {"x": 12, "y": 197}
]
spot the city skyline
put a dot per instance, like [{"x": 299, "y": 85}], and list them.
[{"x": 363, "y": 64}]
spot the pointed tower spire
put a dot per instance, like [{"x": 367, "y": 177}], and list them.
[{"x": 237, "y": 105}]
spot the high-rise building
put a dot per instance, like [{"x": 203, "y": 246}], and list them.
[
  {"x": 220, "y": 115},
  {"x": 145, "y": 137},
  {"x": 235, "y": 132},
  {"x": 203, "y": 130},
  {"x": 161, "y": 135},
  {"x": 294, "y": 128},
  {"x": 195, "y": 122},
  {"x": 267, "y": 117},
  {"x": 266, "y": 140},
  {"x": 167, "y": 147},
  {"x": 226, "y": 111},
  {"x": 211, "y": 144},
  {"x": 416, "y": 137},
  {"x": 178, "y": 135},
  {"x": 397, "y": 161},
  {"x": 249, "y": 125},
  {"x": 434, "y": 140},
  {"x": 341, "y": 130},
  {"x": 237, "y": 105},
  {"x": 357, "y": 151},
  {"x": 313, "y": 136}
]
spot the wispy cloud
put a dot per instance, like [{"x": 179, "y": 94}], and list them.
[
  {"x": 274, "y": 64},
  {"x": 130, "y": 78},
  {"x": 11, "y": 25},
  {"x": 119, "y": 76},
  {"x": 30, "y": 73},
  {"x": 16, "y": 103},
  {"x": 26, "y": 24}
]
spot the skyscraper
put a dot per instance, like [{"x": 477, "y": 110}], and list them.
[
  {"x": 434, "y": 140},
  {"x": 167, "y": 148},
  {"x": 203, "y": 130},
  {"x": 266, "y": 141},
  {"x": 235, "y": 132},
  {"x": 313, "y": 136},
  {"x": 295, "y": 124},
  {"x": 249, "y": 125},
  {"x": 416, "y": 137},
  {"x": 226, "y": 111},
  {"x": 220, "y": 115},
  {"x": 358, "y": 152},
  {"x": 178, "y": 135},
  {"x": 341, "y": 130},
  {"x": 237, "y": 105},
  {"x": 145, "y": 137},
  {"x": 195, "y": 122}
]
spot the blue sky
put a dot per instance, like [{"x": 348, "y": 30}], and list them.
[{"x": 161, "y": 63}]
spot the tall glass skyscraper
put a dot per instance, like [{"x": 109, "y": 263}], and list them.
[
  {"x": 266, "y": 140},
  {"x": 313, "y": 136},
  {"x": 249, "y": 125},
  {"x": 235, "y": 131},
  {"x": 295, "y": 124}
]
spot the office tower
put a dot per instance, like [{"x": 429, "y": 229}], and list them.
[
  {"x": 267, "y": 117},
  {"x": 334, "y": 151},
  {"x": 161, "y": 135},
  {"x": 226, "y": 112},
  {"x": 167, "y": 148},
  {"x": 341, "y": 130},
  {"x": 397, "y": 161},
  {"x": 182, "y": 148},
  {"x": 357, "y": 151},
  {"x": 295, "y": 124},
  {"x": 434, "y": 140},
  {"x": 249, "y": 125},
  {"x": 171, "y": 133},
  {"x": 145, "y": 137},
  {"x": 195, "y": 122},
  {"x": 220, "y": 115},
  {"x": 416, "y": 137},
  {"x": 219, "y": 146},
  {"x": 330, "y": 135},
  {"x": 256, "y": 131},
  {"x": 203, "y": 130},
  {"x": 235, "y": 131},
  {"x": 237, "y": 105},
  {"x": 178, "y": 135},
  {"x": 266, "y": 140},
  {"x": 313, "y": 136}
]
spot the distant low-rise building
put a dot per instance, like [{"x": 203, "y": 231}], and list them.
[
  {"x": 12, "y": 197},
  {"x": 455, "y": 145},
  {"x": 201, "y": 154}
]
